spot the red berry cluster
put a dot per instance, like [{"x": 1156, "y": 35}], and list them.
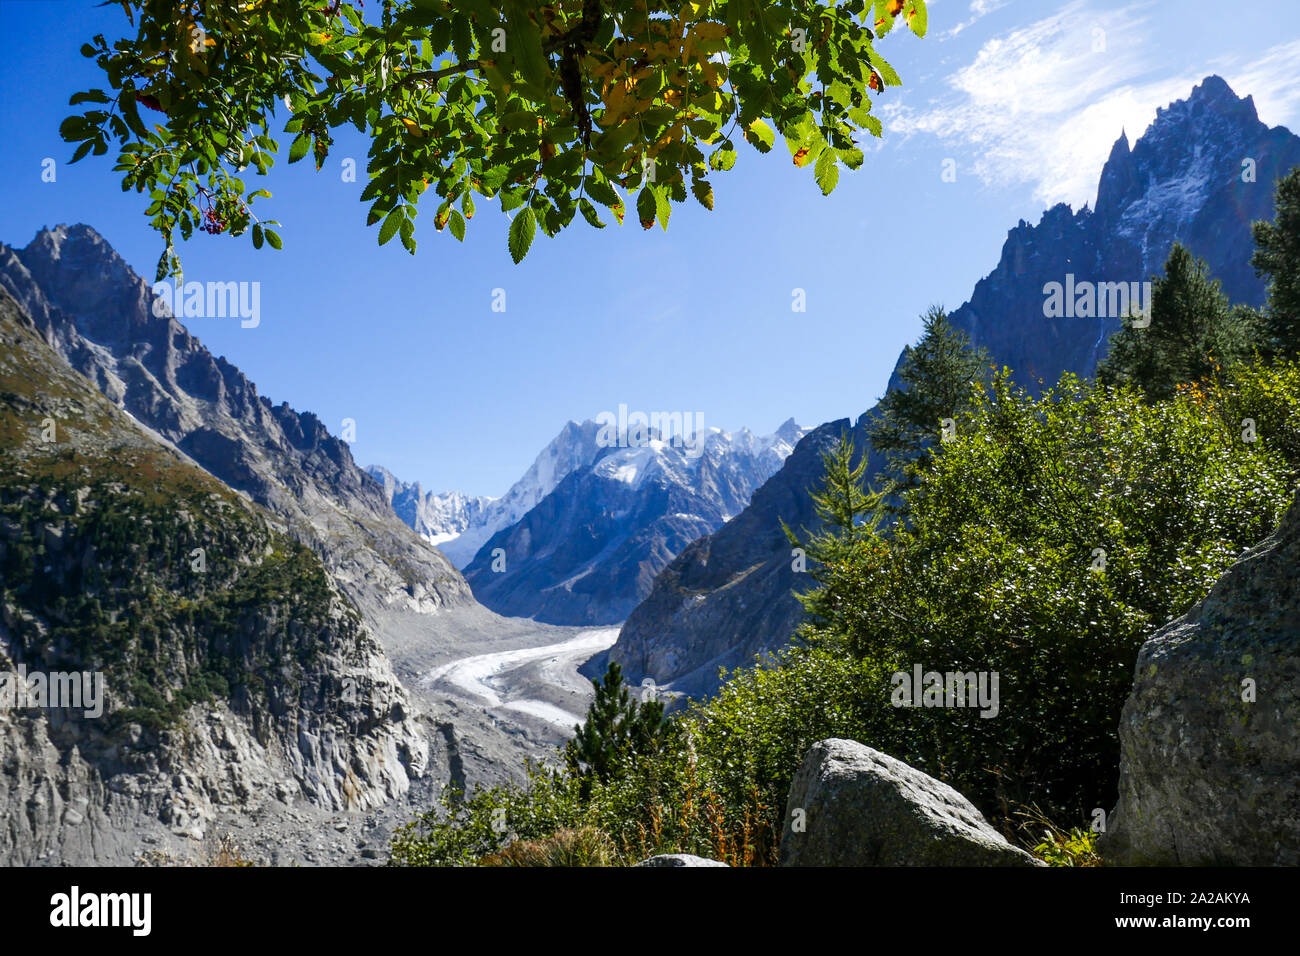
[
  {"x": 212, "y": 223},
  {"x": 214, "y": 215}
]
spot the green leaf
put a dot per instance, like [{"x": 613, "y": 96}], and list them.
[
  {"x": 645, "y": 207},
  {"x": 301, "y": 144},
  {"x": 852, "y": 158},
  {"x": 462, "y": 40},
  {"x": 883, "y": 22},
  {"x": 273, "y": 239},
  {"x": 391, "y": 224},
  {"x": 614, "y": 141},
  {"x": 129, "y": 113},
  {"x": 589, "y": 212},
  {"x": 522, "y": 230},
  {"x": 703, "y": 191},
  {"x": 525, "y": 43},
  {"x": 257, "y": 236},
  {"x": 74, "y": 128},
  {"x": 602, "y": 192},
  {"x": 663, "y": 207},
  {"x": 887, "y": 72},
  {"x": 917, "y": 17},
  {"x": 760, "y": 135},
  {"x": 519, "y": 120},
  {"x": 826, "y": 172},
  {"x": 457, "y": 225}
]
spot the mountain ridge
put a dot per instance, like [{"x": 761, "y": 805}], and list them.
[
  {"x": 94, "y": 310},
  {"x": 589, "y": 549},
  {"x": 1184, "y": 179}
]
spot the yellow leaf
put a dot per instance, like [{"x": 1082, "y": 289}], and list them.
[{"x": 709, "y": 31}]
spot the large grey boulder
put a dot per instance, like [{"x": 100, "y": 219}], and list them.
[
  {"x": 1208, "y": 777},
  {"x": 850, "y": 805},
  {"x": 679, "y": 859}
]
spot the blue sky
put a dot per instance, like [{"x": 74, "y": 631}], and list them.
[{"x": 1025, "y": 99}]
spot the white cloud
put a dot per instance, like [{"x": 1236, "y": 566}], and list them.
[
  {"x": 1273, "y": 80},
  {"x": 1044, "y": 103},
  {"x": 978, "y": 9}
]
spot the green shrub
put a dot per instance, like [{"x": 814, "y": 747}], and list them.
[{"x": 997, "y": 566}]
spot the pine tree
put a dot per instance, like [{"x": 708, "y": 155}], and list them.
[
  {"x": 618, "y": 730},
  {"x": 849, "y": 516},
  {"x": 1277, "y": 255},
  {"x": 935, "y": 380},
  {"x": 1193, "y": 331}
]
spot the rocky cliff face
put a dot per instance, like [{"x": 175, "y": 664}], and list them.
[
  {"x": 1209, "y": 763},
  {"x": 99, "y": 315},
  {"x": 234, "y": 672},
  {"x": 1183, "y": 179},
  {"x": 728, "y": 597},
  {"x": 589, "y": 551}
]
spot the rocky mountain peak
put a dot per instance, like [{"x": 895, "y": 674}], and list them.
[
  {"x": 790, "y": 431},
  {"x": 1119, "y": 179}
]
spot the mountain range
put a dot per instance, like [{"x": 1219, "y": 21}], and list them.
[
  {"x": 270, "y": 674},
  {"x": 459, "y": 524},
  {"x": 306, "y": 663},
  {"x": 579, "y": 538},
  {"x": 1201, "y": 174}
]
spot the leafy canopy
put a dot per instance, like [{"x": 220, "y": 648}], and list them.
[{"x": 553, "y": 109}]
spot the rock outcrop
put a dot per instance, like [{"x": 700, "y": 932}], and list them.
[
  {"x": 232, "y": 671},
  {"x": 850, "y": 805},
  {"x": 1210, "y": 735}
]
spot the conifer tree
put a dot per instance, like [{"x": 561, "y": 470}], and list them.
[
  {"x": 1277, "y": 255},
  {"x": 617, "y": 731},
  {"x": 1193, "y": 330},
  {"x": 849, "y": 516},
  {"x": 935, "y": 380}
]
